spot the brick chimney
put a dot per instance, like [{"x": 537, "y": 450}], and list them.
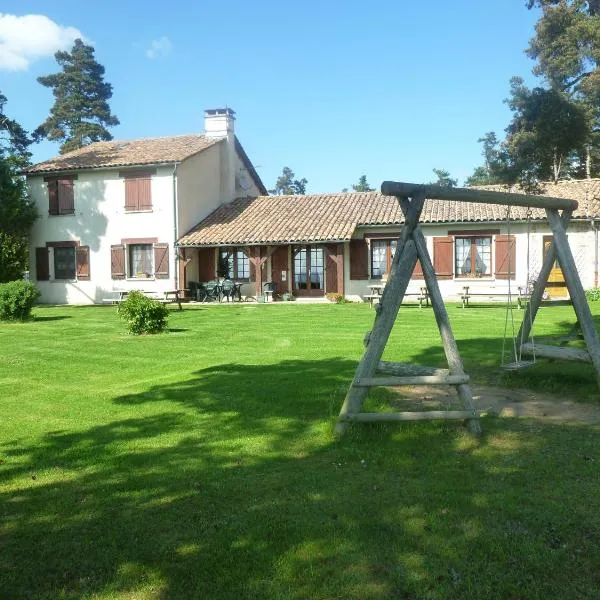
[{"x": 219, "y": 123}]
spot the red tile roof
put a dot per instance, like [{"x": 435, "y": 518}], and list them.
[
  {"x": 334, "y": 217},
  {"x": 119, "y": 153}
]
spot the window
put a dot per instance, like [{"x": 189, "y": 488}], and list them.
[
  {"x": 237, "y": 262},
  {"x": 309, "y": 268},
  {"x": 473, "y": 256},
  {"x": 382, "y": 253},
  {"x": 64, "y": 263},
  {"x": 140, "y": 260},
  {"x": 61, "y": 197},
  {"x": 69, "y": 262},
  {"x": 138, "y": 190}
]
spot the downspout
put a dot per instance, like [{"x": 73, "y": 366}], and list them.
[
  {"x": 595, "y": 227},
  {"x": 175, "y": 228}
]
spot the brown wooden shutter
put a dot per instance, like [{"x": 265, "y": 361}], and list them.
[
  {"x": 206, "y": 264},
  {"x": 331, "y": 269},
  {"x": 506, "y": 256},
  {"x": 138, "y": 192},
  {"x": 254, "y": 258},
  {"x": 83, "y": 263},
  {"x": 442, "y": 257},
  {"x": 117, "y": 261},
  {"x": 418, "y": 271},
  {"x": 161, "y": 261},
  {"x": 279, "y": 263},
  {"x": 42, "y": 264},
  {"x": 359, "y": 259},
  {"x": 52, "y": 197},
  {"x": 66, "y": 197}
]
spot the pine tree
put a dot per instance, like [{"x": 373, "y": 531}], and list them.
[
  {"x": 81, "y": 113},
  {"x": 286, "y": 185},
  {"x": 363, "y": 185}
]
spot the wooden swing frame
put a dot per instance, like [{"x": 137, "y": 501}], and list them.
[{"x": 412, "y": 247}]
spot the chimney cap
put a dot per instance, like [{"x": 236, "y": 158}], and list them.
[{"x": 214, "y": 112}]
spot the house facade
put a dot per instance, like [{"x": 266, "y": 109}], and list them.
[
  {"x": 344, "y": 243},
  {"x": 112, "y": 212},
  {"x": 158, "y": 214}
]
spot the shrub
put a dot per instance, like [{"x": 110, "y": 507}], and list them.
[
  {"x": 335, "y": 297},
  {"x": 143, "y": 314},
  {"x": 17, "y": 299},
  {"x": 593, "y": 295}
]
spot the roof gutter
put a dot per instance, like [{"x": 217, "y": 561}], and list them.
[{"x": 106, "y": 168}]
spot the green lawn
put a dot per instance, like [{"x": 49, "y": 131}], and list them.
[{"x": 201, "y": 463}]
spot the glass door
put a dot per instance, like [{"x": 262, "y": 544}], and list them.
[{"x": 309, "y": 273}]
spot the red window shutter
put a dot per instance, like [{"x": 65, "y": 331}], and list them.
[
  {"x": 117, "y": 261},
  {"x": 42, "y": 264},
  {"x": 331, "y": 269},
  {"x": 442, "y": 257},
  {"x": 359, "y": 259},
  {"x": 138, "y": 193},
  {"x": 418, "y": 271},
  {"x": 161, "y": 261},
  {"x": 506, "y": 256},
  {"x": 66, "y": 197},
  {"x": 83, "y": 262},
  {"x": 131, "y": 194},
  {"x": 53, "y": 197},
  {"x": 144, "y": 193},
  {"x": 206, "y": 264}
]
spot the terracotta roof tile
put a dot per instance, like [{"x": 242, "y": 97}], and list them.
[
  {"x": 331, "y": 217},
  {"x": 119, "y": 153}
]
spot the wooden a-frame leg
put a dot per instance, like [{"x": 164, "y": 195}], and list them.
[
  {"x": 404, "y": 261},
  {"x": 569, "y": 269},
  {"x": 441, "y": 315},
  {"x": 537, "y": 294}
]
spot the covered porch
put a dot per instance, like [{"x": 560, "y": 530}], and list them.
[{"x": 302, "y": 270}]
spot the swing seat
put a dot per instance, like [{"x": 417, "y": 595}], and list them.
[{"x": 518, "y": 365}]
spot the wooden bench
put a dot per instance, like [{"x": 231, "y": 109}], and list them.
[
  {"x": 166, "y": 297},
  {"x": 422, "y": 297},
  {"x": 520, "y": 296}
]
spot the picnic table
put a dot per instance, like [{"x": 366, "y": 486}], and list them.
[
  {"x": 377, "y": 291},
  {"x": 165, "y": 297}
]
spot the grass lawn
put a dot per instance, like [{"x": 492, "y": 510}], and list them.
[{"x": 201, "y": 463}]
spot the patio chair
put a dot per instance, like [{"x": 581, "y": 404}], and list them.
[
  {"x": 227, "y": 290},
  {"x": 211, "y": 290},
  {"x": 194, "y": 288}
]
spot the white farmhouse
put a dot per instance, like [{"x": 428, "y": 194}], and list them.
[{"x": 111, "y": 212}]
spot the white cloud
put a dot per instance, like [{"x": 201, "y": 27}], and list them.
[
  {"x": 27, "y": 38},
  {"x": 159, "y": 48}
]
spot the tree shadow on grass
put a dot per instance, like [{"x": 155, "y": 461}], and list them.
[
  {"x": 238, "y": 490},
  {"x": 54, "y": 318}
]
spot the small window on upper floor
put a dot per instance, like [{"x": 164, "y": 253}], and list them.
[
  {"x": 138, "y": 190},
  {"x": 61, "y": 197}
]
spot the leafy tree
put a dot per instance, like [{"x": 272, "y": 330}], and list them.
[
  {"x": 14, "y": 140},
  {"x": 81, "y": 113},
  {"x": 443, "y": 178},
  {"x": 287, "y": 185},
  {"x": 547, "y": 127},
  {"x": 17, "y": 215},
  {"x": 362, "y": 185},
  {"x": 566, "y": 48},
  {"x": 17, "y": 212},
  {"x": 491, "y": 171}
]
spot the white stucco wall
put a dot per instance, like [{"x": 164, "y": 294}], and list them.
[
  {"x": 581, "y": 240},
  {"x": 100, "y": 221}
]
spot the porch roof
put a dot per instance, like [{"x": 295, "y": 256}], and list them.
[{"x": 334, "y": 217}]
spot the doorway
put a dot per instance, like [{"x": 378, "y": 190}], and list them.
[
  {"x": 309, "y": 272},
  {"x": 556, "y": 286}
]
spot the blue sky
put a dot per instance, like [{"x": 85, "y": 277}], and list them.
[{"x": 332, "y": 89}]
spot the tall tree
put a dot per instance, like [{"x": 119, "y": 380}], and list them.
[
  {"x": 491, "y": 171},
  {"x": 547, "y": 127},
  {"x": 443, "y": 178},
  {"x": 287, "y": 185},
  {"x": 362, "y": 185},
  {"x": 17, "y": 211},
  {"x": 566, "y": 48},
  {"x": 81, "y": 113},
  {"x": 14, "y": 140}
]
